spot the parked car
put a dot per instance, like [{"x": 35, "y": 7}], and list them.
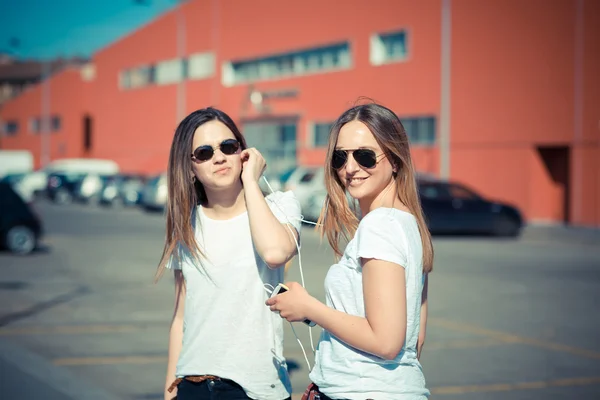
[
  {"x": 20, "y": 227},
  {"x": 154, "y": 194},
  {"x": 122, "y": 190},
  {"x": 454, "y": 208},
  {"x": 305, "y": 181},
  {"x": 77, "y": 178},
  {"x": 32, "y": 185},
  {"x": 277, "y": 180},
  {"x": 316, "y": 201},
  {"x": 62, "y": 187},
  {"x": 89, "y": 188}
]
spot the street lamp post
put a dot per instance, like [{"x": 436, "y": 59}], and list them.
[
  {"x": 45, "y": 128},
  {"x": 180, "y": 106},
  {"x": 180, "y": 54},
  {"x": 446, "y": 78}
]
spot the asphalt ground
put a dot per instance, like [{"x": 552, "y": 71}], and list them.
[{"x": 509, "y": 319}]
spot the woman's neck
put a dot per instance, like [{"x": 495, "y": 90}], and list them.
[
  {"x": 225, "y": 204},
  {"x": 383, "y": 199}
]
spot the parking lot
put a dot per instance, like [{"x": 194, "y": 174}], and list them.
[{"x": 509, "y": 319}]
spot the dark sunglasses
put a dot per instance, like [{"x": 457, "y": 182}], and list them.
[
  {"x": 206, "y": 152},
  {"x": 366, "y": 158}
]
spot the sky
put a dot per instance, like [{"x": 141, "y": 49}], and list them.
[{"x": 45, "y": 29}]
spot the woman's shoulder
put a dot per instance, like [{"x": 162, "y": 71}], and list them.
[
  {"x": 387, "y": 215},
  {"x": 287, "y": 197}
]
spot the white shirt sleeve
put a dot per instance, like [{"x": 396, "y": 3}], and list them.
[
  {"x": 380, "y": 236},
  {"x": 286, "y": 208}
]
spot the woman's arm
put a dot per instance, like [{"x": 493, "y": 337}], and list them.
[
  {"x": 175, "y": 334},
  {"x": 274, "y": 241},
  {"x": 423, "y": 322},
  {"x": 381, "y": 333}
]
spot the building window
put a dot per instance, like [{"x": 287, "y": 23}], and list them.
[
  {"x": 320, "y": 133},
  {"x": 88, "y": 72},
  {"x": 277, "y": 142},
  {"x": 124, "y": 79},
  {"x": 137, "y": 77},
  {"x": 388, "y": 47},
  {"x": 420, "y": 130},
  {"x": 142, "y": 76},
  {"x": 35, "y": 124},
  {"x": 316, "y": 60},
  {"x": 55, "y": 123},
  {"x": 87, "y": 133},
  {"x": 171, "y": 71},
  {"x": 201, "y": 65},
  {"x": 11, "y": 128}
]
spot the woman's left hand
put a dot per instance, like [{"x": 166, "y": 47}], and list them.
[
  {"x": 253, "y": 165},
  {"x": 293, "y": 304}
]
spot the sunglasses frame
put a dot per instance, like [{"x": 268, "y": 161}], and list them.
[
  {"x": 213, "y": 149},
  {"x": 354, "y": 151}
]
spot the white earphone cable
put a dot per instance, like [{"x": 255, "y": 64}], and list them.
[{"x": 301, "y": 271}]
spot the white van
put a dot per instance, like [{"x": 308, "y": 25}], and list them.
[
  {"x": 15, "y": 162},
  {"x": 83, "y": 166}
]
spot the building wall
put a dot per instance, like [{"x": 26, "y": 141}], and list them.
[
  {"x": 525, "y": 92},
  {"x": 68, "y": 101},
  {"x": 410, "y": 88},
  {"x": 587, "y": 165}
]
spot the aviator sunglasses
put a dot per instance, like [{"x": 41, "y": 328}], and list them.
[
  {"x": 206, "y": 152},
  {"x": 366, "y": 158}
]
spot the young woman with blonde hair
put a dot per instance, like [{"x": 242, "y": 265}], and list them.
[{"x": 371, "y": 320}]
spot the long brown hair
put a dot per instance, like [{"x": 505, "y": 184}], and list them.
[
  {"x": 184, "y": 192},
  {"x": 337, "y": 220}
]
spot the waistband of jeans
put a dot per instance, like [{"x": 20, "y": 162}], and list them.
[{"x": 198, "y": 379}]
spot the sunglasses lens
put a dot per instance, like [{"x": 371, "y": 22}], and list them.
[
  {"x": 230, "y": 147},
  {"x": 203, "y": 153},
  {"x": 365, "y": 158},
  {"x": 339, "y": 159}
]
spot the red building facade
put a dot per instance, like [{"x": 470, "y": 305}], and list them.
[{"x": 503, "y": 96}]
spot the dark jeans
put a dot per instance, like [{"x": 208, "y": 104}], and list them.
[
  {"x": 224, "y": 389},
  {"x": 210, "y": 390}
]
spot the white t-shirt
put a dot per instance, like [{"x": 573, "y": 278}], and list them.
[
  {"x": 344, "y": 372},
  {"x": 228, "y": 331}
]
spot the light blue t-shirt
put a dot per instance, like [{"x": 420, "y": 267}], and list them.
[{"x": 344, "y": 372}]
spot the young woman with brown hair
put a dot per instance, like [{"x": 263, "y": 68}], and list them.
[{"x": 225, "y": 242}]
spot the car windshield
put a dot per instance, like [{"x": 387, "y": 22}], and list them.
[
  {"x": 13, "y": 178},
  {"x": 461, "y": 192}
]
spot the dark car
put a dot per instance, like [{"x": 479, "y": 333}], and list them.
[
  {"x": 122, "y": 190},
  {"x": 454, "y": 208},
  {"x": 20, "y": 227},
  {"x": 62, "y": 187}
]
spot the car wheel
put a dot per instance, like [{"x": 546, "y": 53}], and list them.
[
  {"x": 118, "y": 202},
  {"x": 506, "y": 227},
  {"x": 20, "y": 239},
  {"x": 93, "y": 200},
  {"x": 63, "y": 197}
]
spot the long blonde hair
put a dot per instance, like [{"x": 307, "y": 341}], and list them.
[
  {"x": 185, "y": 193},
  {"x": 337, "y": 220}
]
